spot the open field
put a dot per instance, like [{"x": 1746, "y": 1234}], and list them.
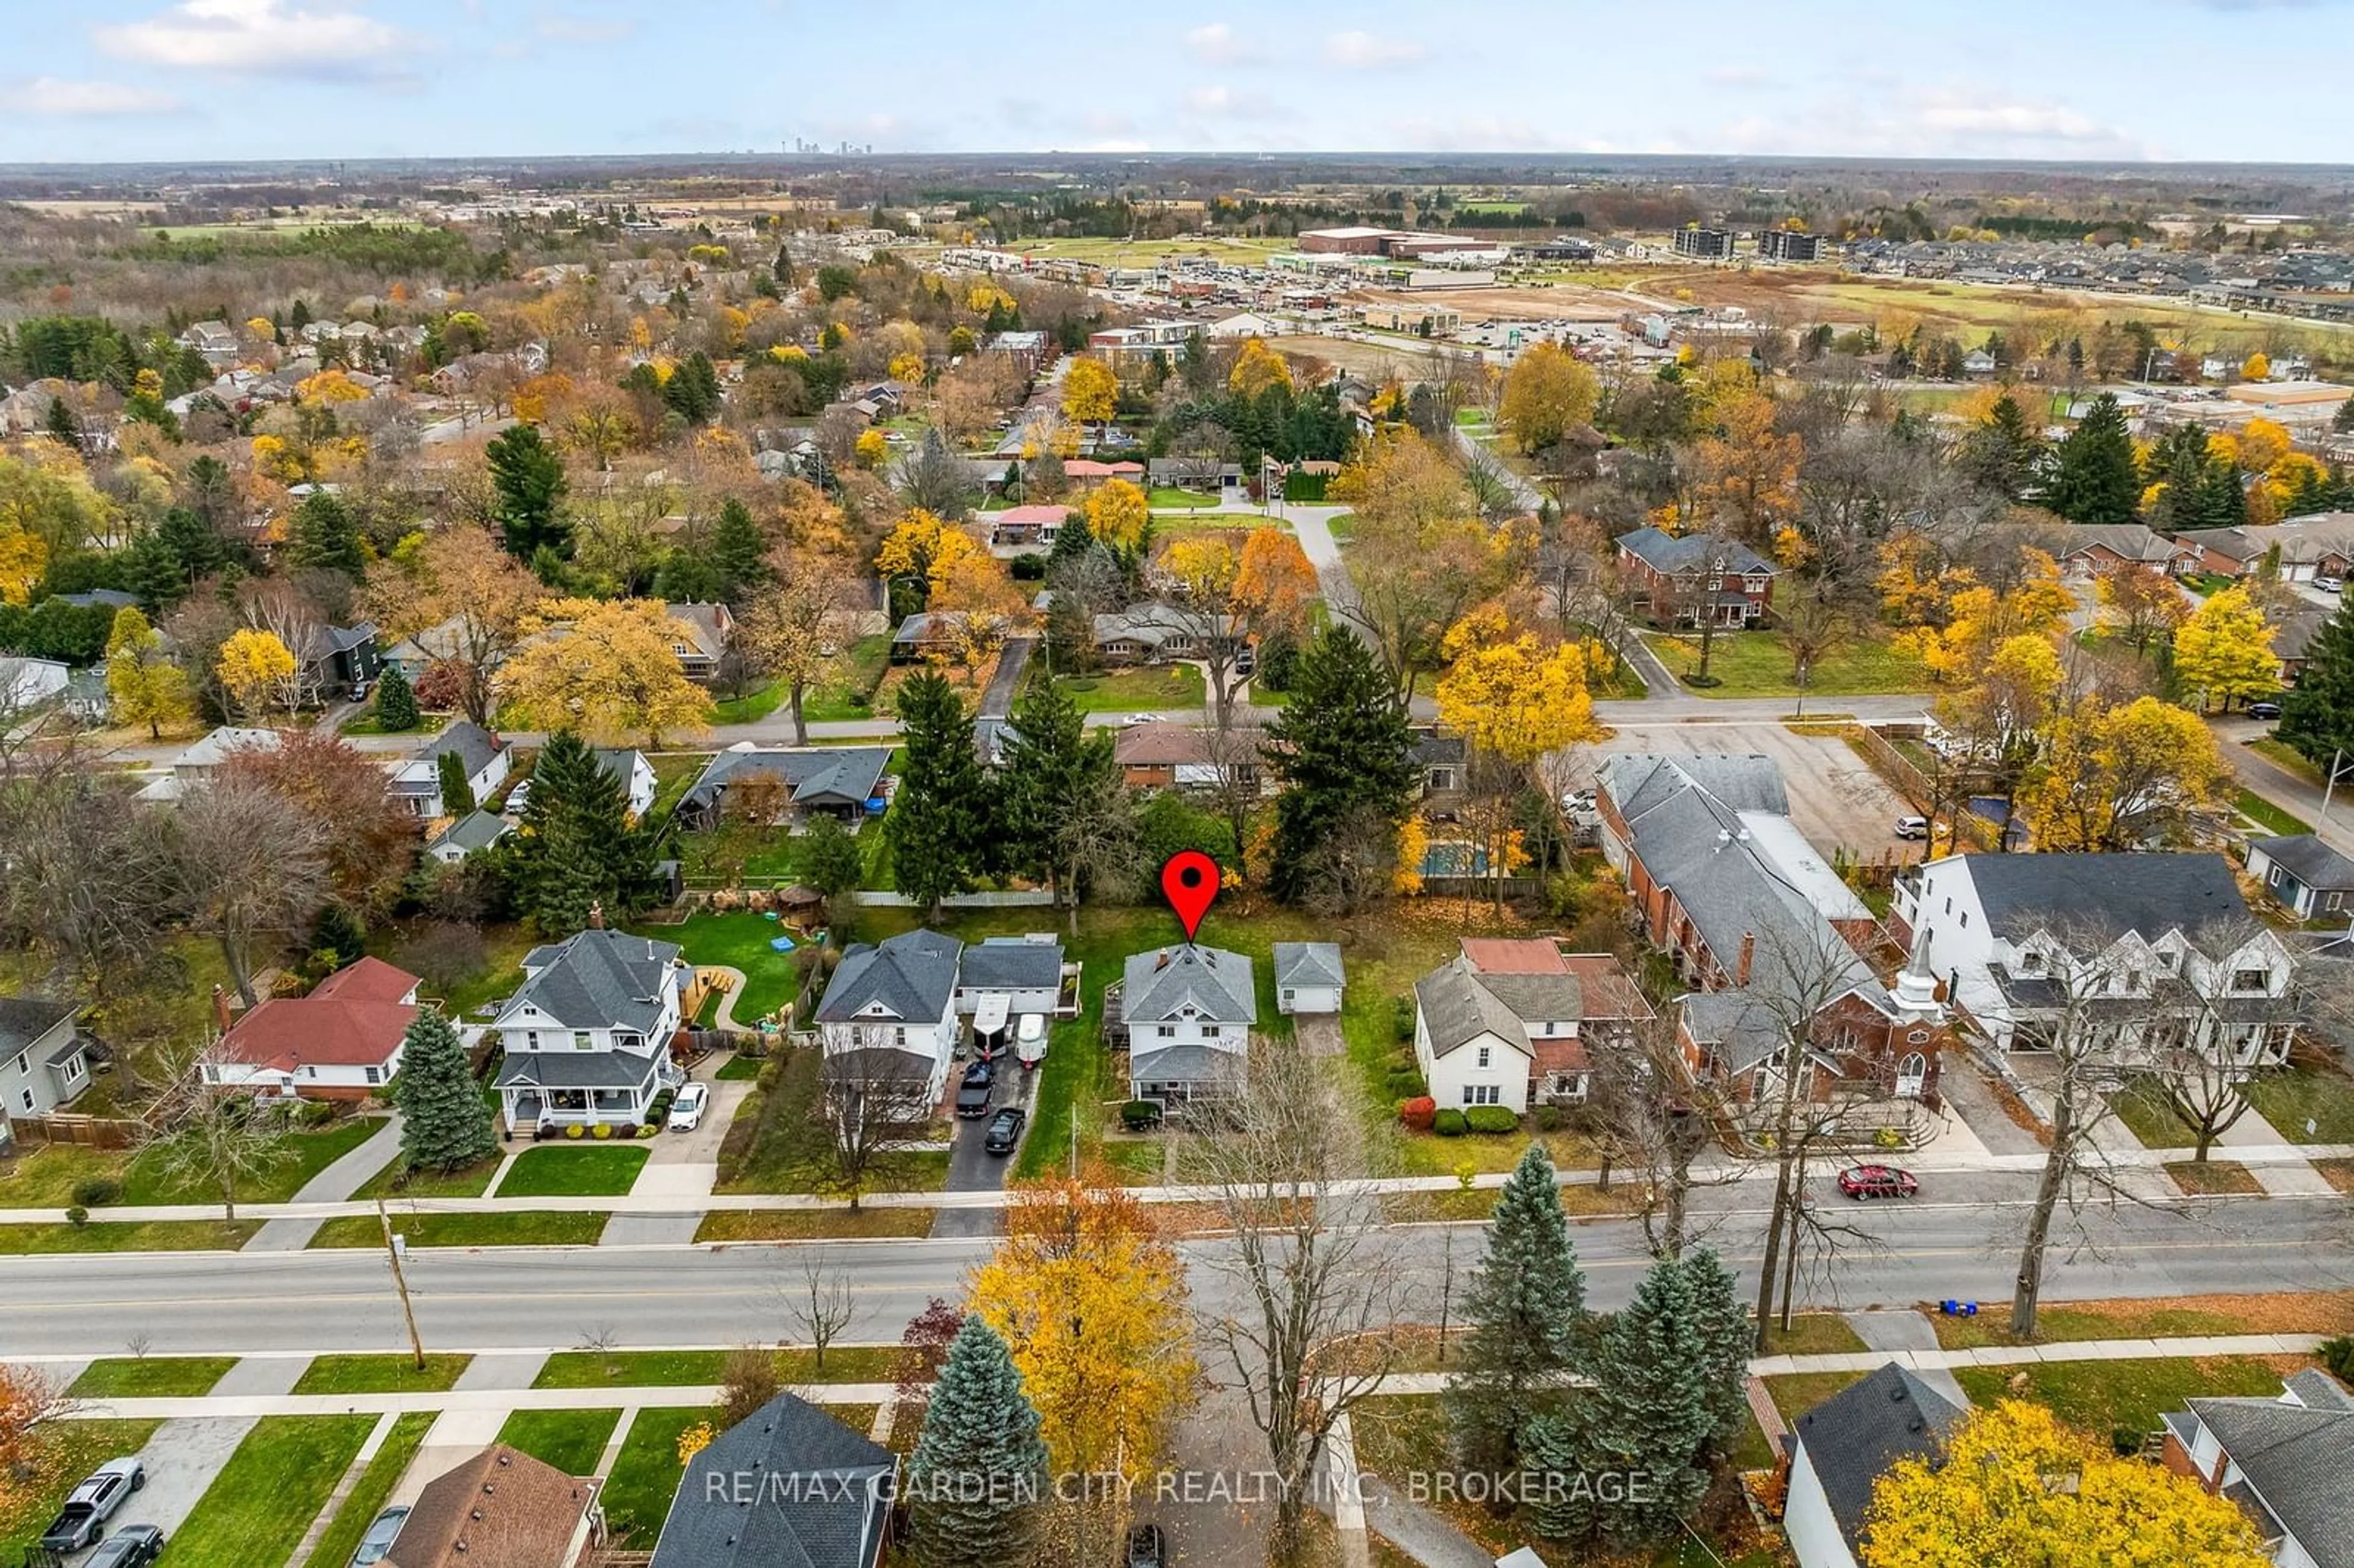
[{"x": 1375, "y": 361}]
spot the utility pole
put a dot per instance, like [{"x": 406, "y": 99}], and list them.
[
  {"x": 2330, "y": 785},
  {"x": 400, "y": 1283}
]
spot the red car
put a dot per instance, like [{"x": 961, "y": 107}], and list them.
[{"x": 1878, "y": 1182}]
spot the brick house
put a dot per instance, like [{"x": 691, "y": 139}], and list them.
[{"x": 1676, "y": 579}]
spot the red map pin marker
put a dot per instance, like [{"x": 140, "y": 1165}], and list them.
[{"x": 1189, "y": 880}]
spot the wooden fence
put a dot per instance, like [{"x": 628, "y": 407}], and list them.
[{"x": 83, "y": 1131}]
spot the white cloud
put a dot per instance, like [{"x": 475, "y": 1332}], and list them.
[
  {"x": 50, "y": 95},
  {"x": 1355, "y": 51},
  {"x": 1737, "y": 76},
  {"x": 242, "y": 36},
  {"x": 1231, "y": 103},
  {"x": 1215, "y": 43},
  {"x": 560, "y": 28}
]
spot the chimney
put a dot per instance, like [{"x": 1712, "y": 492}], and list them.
[
  {"x": 597, "y": 916},
  {"x": 220, "y": 1009},
  {"x": 1748, "y": 956}
]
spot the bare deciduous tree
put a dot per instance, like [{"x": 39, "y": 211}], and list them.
[
  {"x": 211, "y": 1134},
  {"x": 818, "y": 1303},
  {"x": 249, "y": 864},
  {"x": 876, "y": 1098}
]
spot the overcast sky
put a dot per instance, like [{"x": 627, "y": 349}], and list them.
[{"x": 99, "y": 79}]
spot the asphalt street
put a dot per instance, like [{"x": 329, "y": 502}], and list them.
[{"x": 1962, "y": 1244}]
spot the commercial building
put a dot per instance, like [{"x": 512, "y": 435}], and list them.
[
  {"x": 1788, "y": 245},
  {"x": 1705, "y": 244}
]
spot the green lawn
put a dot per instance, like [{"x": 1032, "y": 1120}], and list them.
[
  {"x": 1758, "y": 664},
  {"x": 637, "y": 1495},
  {"x": 501, "y": 971},
  {"x": 151, "y": 1235},
  {"x": 1794, "y": 1393},
  {"x": 156, "y": 1377},
  {"x": 392, "y": 1373},
  {"x": 1813, "y": 1334},
  {"x": 629, "y": 1368},
  {"x": 46, "y": 1178},
  {"x": 778, "y": 1143},
  {"x": 2288, "y": 758},
  {"x": 2288, "y": 1099},
  {"x": 257, "y": 1509},
  {"x": 812, "y": 1225},
  {"x": 392, "y": 1182},
  {"x": 368, "y": 723},
  {"x": 2269, "y": 816},
  {"x": 2064, "y": 1324},
  {"x": 584, "y": 1170},
  {"x": 740, "y": 940},
  {"x": 528, "y": 1227},
  {"x": 2100, "y": 1397},
  {"x": 2142, "y": 1106},
  {"x": 1169, "y": 498},
  {"x": 1157, "y": 689},
  {"x": 72, "y": 1450},
  {"x": 570, "y": 1440},
  {"x": 740, "y": 1070},
  {"x": 368, "y": 1494},
  {"x": 849, "y": 695}
]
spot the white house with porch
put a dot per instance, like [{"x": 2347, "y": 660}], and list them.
[
  {"x": 588, "y": 1034},
  {"x": 889, "y": 1014}
]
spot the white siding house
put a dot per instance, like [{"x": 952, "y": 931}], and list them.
[
  {"x": 889, "y": 1014},
  {"x": 587, "y": 1036},
  {"x": 1307, "y": 977},
  {"x": 1188, "y": 1012},
  {"x": 1841, "y": 1447},
  {"x": 635, "y": 775}
]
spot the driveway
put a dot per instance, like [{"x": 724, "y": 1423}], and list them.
[
  {"x": 182, "y": 1459},
  {"x": 1835, "y": 799},
  {"x": 972, "y": 1168}
]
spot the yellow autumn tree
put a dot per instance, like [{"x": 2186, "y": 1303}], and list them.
[
  {"x": 2118, "y": 778},
  {"x": 1258, "y": 368},
  {"x": 1090, "y": 392},
  {"x": 329, "y": 387},
  {"x": 1412, "y": 845},
  {"x": 1511, "y": 697},
  {"x": 2224, "y": 650},
  {"x": 1548, "y": 393},
  {"x": 606, "y": 670},
  {"x": 1276, "y": 583},
  {"x": 1092, "y": 1305},
  {"x": 2256, "y": 368},
  {"x": 912, "y": 545},
  {"x": 143, "y": 685},
  {"x": 1979, "y": 619},
  {"x": 1118, "y": 512},
  {"x": 982, "y": 604},
  {"x": 2011, "y": 1485},
  {"x": 870, "y": 448},
  {"x": 909, "y": 367},
  {"x": 24, "y": 556},
  {"x": 1748, "y": 474},
  {"x": 257, "y": 671}
]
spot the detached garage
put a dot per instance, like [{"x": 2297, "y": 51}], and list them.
[{"x": 1307, "y": 977}]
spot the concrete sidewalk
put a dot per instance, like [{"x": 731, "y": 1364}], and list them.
[{"x": 337, "y": 1182}]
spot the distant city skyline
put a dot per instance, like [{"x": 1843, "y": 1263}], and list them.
[{"x": 2167, "y": 79}]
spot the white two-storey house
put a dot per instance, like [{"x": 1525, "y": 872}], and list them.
[
  {"x": 888, "y": 1021},
  {"x": 588, "y": 1034},
  {"x": 1188, "y": 1012}
]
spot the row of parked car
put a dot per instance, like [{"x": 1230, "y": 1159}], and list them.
[{"x": 82, "y": 1521}]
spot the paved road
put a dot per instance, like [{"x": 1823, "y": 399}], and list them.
[{"x": 1962, "y": 1244}]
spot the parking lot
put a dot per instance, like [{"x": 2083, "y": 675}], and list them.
[{"x": 1835, "y": 799}]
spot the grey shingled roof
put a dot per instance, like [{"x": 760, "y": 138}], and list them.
[
  {"x": 737, "y": 1506},
  {"x": 1636, "y": 781},
  {"x": 2307, "y": 858},
  {"x": 2299, "y": 1459},
  {"x": 24, "y": 1019},
  {"x": 574, "y": 1070},
  {"x": 1308, "y": 964},
  {"x": 1856, "y": 1435},
  {"x": 469, "y": 833},
  {"x": 597, "y": 980},
  {"x": 845, "y": 774},
  {"x": 1457, "y": 1008},
  {"x": 1188, "y": 1063},
  {"x": 912, "y": 974},
  {"x": 1217, "y": 983},
  {"x": 1671, "y": 553},
  {"x": 2112, "y": 894},
  {"x": 470, "y": 741},
  {"x": 1011, "y": 963}
]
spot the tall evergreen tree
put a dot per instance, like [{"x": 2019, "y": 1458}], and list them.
[
  {"x": 1524, "y": 1309},
  {"x": 1053, "y": 771},
  {"x": 63, "y": 426},
  {"x": 577, "y": 850},
  {"x": 2002, "y": 453},
  {"x": 980, "y": 1468},
  {"x": 941, "y": 824},
  {"x": 396, "y": 702},
  {"x": 1725, "y": 1336},
  {"x": 324, "y": 534},
  {"x": 2318, "y": 712},
  {"x": 1651, "y": 1412},
  {"x": 529, "y": 478},
  {"x": 740, "y": 550},
  {"x": 457, "y": 788},
  {"x": 1344, "y": 751},
  {"x": 2094, "y": 478},
  {"x": 444, "y": 1123}
]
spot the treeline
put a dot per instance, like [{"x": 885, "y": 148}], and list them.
[
  {"x": 439, "y": 253},
  {"x": 89, "y": 348},
  {"x": 2102, "y": 231}
]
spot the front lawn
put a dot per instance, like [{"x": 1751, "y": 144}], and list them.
[
  {"x": 393, "y": 1374},
  {"x": 1795, "y": 1393},
  {"x": 571, "y": 1441},
  {"x": 738, "y": 939},
  {"x": 2269, "y": 816},
  {"x": 630, "y": 1369},
  {"x": 1160, "y": 688},
  {"x": 779, "y": 1142},
  {"x": 2101, "y": 1397},
  {"x": 1167, "y": 497},
  {"x": 637, "y": 1495},
  {"x": 146, "y": 1377},
  {"x": 257, "y": 1508},
  {"x": 740, "y": 1069},
  {"x": 574, "y": 1171},
  {"x": 2288, "y": 1099},
  {"x": 393, "y": 1182},
  {"x": 71, "y": 1449},
  {"x": 368, "y": 1494},
  {"x": 812, "y": 1225},
  {"x": 45, "y": 1178},
  {"x": 528, "y": 1227},
  {"x": 1813, "y": 1334},
  {"x": 2288, "y": 758},
  {"x": 2141, "y": 1107},
  {"x": 151, "y": 1235},
  {"x": 1758, "y": 664},
  {"x": 2297, "y": 1312}
]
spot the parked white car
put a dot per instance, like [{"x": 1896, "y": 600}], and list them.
[{"x": 686, "y": 1110}]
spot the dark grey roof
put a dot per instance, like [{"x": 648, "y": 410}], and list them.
[
  {"x": 1011, "y": 963},
  {"x": 24, "y": 1019},
  {"x": 74, "y": 1046},
  {"x": 574, "y": 1070},
  {"x": 2112, "y": 894},
  {"x": 1217, "y": 983},
  {"x": 478, "y": 831},
  {"x": 2308, "y": 859},
  {"x": 1188, "y": 1063},
  {"x": 737, "y": 1506},
  {"x": 1308, "y": 964},
  {"x": 1636, "y": 781},
  {"x": 912, "y": 975},
  {"x": 832, "y": 774},
  {"x": 473, "y": 743},
  {"x": 597, "y": 980},
  {"x": 2299, "y": 1459},
  {"x": 1665, "y": 552},
  {"x": 1430, "y": 747},
  {"x": 621, "y": 761},
  {"x": 1856, "y": 1435}
]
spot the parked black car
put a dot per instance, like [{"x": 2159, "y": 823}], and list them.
[
  {"x": 133, "y": 1546},
  {"x": 2263, "y": 710},
  {"x": 1006, "y": 1131},
  {"x": 972, "y": 1095},
  {"x": 1147, "y": 1547}
]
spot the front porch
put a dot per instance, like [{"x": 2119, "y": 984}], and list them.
[{"x": 529, "y": 1110}]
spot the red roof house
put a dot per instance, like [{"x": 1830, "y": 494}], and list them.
[{"x": 340, "y": 1043}]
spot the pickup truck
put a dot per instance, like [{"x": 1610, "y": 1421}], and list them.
[{"x": 89, "y": 1505}]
